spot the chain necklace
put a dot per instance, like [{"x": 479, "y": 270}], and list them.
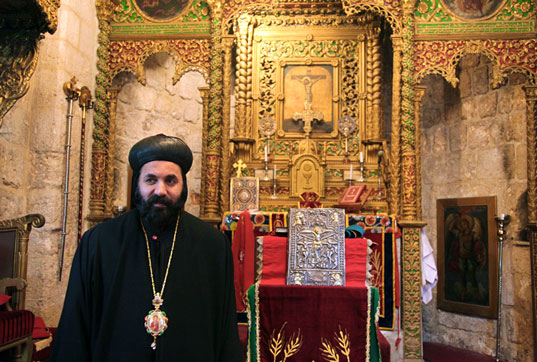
[{"x": 156, "y": 321}]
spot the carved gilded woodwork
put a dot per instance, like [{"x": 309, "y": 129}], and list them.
[
  {"x": 225, "y": 170},
  {"x": 507, "y": 56},
  {"x": 22, "y": 25},
  {"x": 213, "y": 143},
  {"x": 112, "y": 106},
  {"x": 100, "y": 157},
  {"x": 204, "y": 94},
  {"x": 374, "y": 123},
  {"x": 391, "y": 10},
  {"x": 411, "y": 285},
  {"x": 188, "y": 55},
  {"x": 394, "y": 164},
  {"x": 420, "y": 92}
]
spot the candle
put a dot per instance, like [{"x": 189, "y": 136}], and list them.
[
  {"x": 350, "y": 178},
  {"x": 274, "y": 171},
  {"x": 266, "y": 152},
  {"x": 361, "y": 156}
]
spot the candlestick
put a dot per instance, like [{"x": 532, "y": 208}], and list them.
[
  {"x": 361, "y": 179},
  {"x": 274, "y": 196}
]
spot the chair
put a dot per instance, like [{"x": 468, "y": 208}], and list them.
[
  {"x": 16, "y": 326},
  {"x": 14, "y": 235}
]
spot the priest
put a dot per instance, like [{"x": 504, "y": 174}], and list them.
[{"x": 155, "y": 284}]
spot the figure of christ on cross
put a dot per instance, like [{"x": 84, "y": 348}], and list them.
[{"x": 308, "y": 116}]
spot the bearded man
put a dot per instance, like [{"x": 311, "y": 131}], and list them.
[{"x": 155, "y": 284}]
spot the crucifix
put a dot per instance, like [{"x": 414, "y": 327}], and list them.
[
  {"x": 308, "y": 116},
  {"x": 239, "y": 165}
]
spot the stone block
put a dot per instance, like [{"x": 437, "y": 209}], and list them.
[
  {"x": 468, "y": 109},
  {"x": 465, "y": 84},
  {"x": 505, "y": 100},
  {"x": 49, "y": 204},
  {"x": 487, "y": 104},
  {"x": 48, "y": 170},
  {"x": 521, "y": 162},
  {"x": 458, "y": 137},
  {"x": 157, "y": 70},
  {"x": 480, "y": 80},
  {"x": 12, "y": 161},
  {"x": 479, "y": 136},
  {"x": 440, "y": 140},
  {"x": 13, "y": 204},
  {"x": 469, "y": 61},
  {"x": 16, "y": 123},
  {"x": 68, "y": 26}
]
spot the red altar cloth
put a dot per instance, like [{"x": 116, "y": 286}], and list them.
[
  {"x": 306, "y": 323},
  {"x": 275, "y": 261}
]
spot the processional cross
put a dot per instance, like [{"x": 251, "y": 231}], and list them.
[{"x": 308, "y": 116}]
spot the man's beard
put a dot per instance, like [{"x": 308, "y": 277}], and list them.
[{"x": 158, "y": 216}]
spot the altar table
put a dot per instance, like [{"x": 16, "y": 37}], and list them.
[{"x": 312, "y": 323}]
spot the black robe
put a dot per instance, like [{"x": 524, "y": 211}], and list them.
[{"x": 109, "y": 294}]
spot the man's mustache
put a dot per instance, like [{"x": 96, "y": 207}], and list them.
[{"x": 156, "y": 199}]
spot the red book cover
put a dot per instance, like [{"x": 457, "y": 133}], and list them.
[{"x": 351, "y": 194}]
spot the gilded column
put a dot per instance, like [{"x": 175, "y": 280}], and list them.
[
  {"x": 112, "y": 106},
  {"x": 374, "y": 119},
  {"x": 99, "y": 151},
  {"x": 531, "y": 116},
  {"x": 225, "y": 172},
  {"x": 204, "y": 94},
  {"x": 420, "y": 92},
  {"x": 411, "y": 226},
  {"x": 395, "y": 159},
  {"x": 243, "y": 87},
  {"x": 213, "y": 142}
]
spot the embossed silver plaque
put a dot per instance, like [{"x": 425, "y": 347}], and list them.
[{"x": 316, "y": 247}]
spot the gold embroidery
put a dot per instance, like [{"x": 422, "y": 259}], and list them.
[
  {"x": 277, "y": 344},
  {"x": 331, "y": 354}
]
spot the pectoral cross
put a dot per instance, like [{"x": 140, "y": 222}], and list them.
[
  {"x": 239, "y": 165},
  {"x": 308, "y": 116}
]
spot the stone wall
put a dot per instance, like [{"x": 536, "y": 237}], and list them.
[
  {"x": 32, "y": 152},
  {"x": 159, "y": 107},
  {"x": 474, "y": 144}
]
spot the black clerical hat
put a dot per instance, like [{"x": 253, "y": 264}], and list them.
[{"x": 160, "y": 148}]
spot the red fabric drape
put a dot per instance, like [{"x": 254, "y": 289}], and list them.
[
  {"x": 243, "y": 249},
  {"x": 275, "y": 261}
]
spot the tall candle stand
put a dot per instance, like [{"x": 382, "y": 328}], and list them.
[
  {"x": 350, "y": 180},
  {"x": 362, "y": 170},
  {"x": 379, "y": 160},
  {"x": 502, "y": 221},
  {"x": 266, "y": 177},
  {"x": 274, "y": 185}
]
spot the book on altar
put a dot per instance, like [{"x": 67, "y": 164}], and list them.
[{"x": 351, "y": 195}]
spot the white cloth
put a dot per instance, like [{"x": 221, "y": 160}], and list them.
[{"x": 429, "y": 273}]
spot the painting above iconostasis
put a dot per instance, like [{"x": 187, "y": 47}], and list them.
[
  {"x": 160, "y": 19},
  {"x": 471, "y": 18}
]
